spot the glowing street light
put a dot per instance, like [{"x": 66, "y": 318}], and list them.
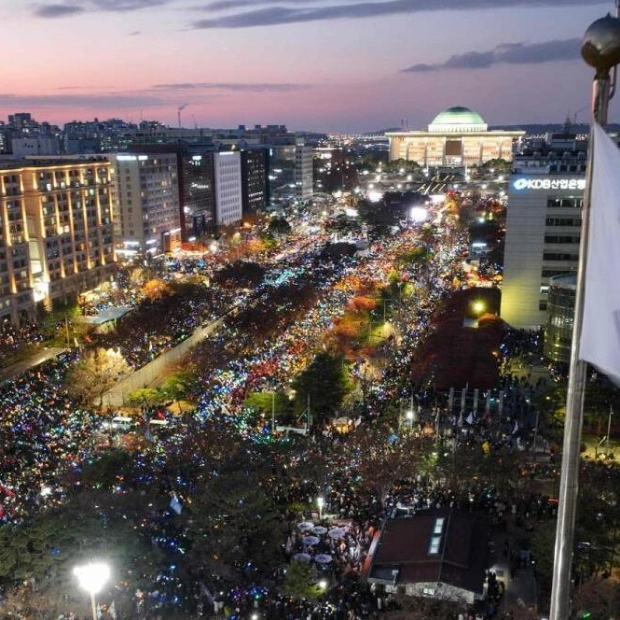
[
  {"x": 478, "y": 307},
  {"x": 92, "y": 577},
  {"x": 320, "y": 503},
  {"x": 418, "y": 215},
  {"x": 410, "y": 415}
]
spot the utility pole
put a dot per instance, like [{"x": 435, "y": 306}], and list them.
[
  {"x": 308, "y": 416},
  {"x": 536, "y": 432},
  {"x": 67, "y": 331},
  {"x": 611, "y": 412}
]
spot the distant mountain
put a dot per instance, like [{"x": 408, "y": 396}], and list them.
[
  {"x": 532, "y": 129},
  {"x": 540, "y": 128}
]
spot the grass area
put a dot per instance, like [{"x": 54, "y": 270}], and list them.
[{"x": 593, "y": 449}]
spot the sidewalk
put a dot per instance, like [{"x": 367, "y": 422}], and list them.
[
  {"x": 520, "y": 584},
  {"x": 14, "y": 370}
]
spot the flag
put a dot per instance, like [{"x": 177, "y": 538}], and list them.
[
  {"x": 600, "y": 333},
  {"x": 112, "y": 611},
  {"x": 470, "y": 418},
  {"x": 515, "y": 430},
  {"x": 175, "y": 504},
  {"x": 98, "y": 612}
]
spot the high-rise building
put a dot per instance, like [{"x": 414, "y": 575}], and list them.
[
  {"x": 197, "y": 191},
  {"x": 146, "y": 201},
  {"x": 560, "y": 318},
  {"x": 304, "y": 173},
  {"x": 33, "y": 146},
  {"x": 55, "y": 232},
  {"x": 254, "y": 179},
  {"x": 201, "y": 194},
  {"x": 543, "y": 226},
  {"x": 228, "y": 196}
]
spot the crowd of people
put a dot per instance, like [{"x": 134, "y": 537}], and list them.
[{"x": 46, "y": 433}]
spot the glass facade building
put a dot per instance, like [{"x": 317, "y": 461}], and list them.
[{"x": 560, "y": 318}]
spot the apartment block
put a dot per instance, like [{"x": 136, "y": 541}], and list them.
[{"x": 55, "y": 232}]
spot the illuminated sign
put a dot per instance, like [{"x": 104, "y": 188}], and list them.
[{"x": 549, "y": 184}]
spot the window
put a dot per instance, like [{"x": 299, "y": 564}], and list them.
[
  {"x": 438, "y": 529},
  {"x": 562, "y": 238},
  {"x": 565, "y": 201},
  {"x": 433, "y": 548}
]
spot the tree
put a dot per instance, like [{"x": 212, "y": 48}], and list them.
[
  {"x": 46, "y": 548},
  {"x": 325, "y": 383},
  {"x": 299, "y": 582},
  {"x": 146, "y": 397},
  {"x": 279, "y": 226},
  {"x": 241, "y": 274},
  {"x": 383, "y": 458},
  {"x": 234, "y": 527},
  {"x": 267, "y": 402},
  {"x": 179, "y": 386},
  {"x": 156, "y": 289},
  {"x": 96, "y": 373},
  {"x": 542, "y": 546}
]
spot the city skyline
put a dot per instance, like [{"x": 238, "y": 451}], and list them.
[{"x": 349, "y": 66}]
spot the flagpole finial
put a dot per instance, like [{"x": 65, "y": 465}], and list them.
[{"x": 601, "y": 44}]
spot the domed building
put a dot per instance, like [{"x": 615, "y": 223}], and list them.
[{"x": 457, "y": 137}]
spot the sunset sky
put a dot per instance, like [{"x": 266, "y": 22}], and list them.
[{"x": 339, "y": 65}]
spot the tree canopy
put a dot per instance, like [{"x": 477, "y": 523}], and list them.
[{"x": 326, "y": 384}]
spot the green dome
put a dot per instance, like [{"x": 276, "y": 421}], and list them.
[{"x": 458, "y": 115}]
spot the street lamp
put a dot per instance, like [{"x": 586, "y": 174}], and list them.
[
  {"x": 478, "y": 306},
  {"x": 92, "y": 578},
  {"x": 320, "y": 503}
]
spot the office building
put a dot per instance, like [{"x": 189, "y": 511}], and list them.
[
  {"x": 543, "y": 223},
  {"x": 33, "y": 146},
  {"x": 146, "y": 202},
  {"x": 228, "y": 195},
  {"x": 55, "y": 232},
  {"x": 457, "y": 137},
  {"x": 560, "y": 318},
  {"x": 304, "y": 174},
  {"x": 254, "y": 179}
]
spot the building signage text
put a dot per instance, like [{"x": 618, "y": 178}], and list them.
[{"x": 547, "y": 184}]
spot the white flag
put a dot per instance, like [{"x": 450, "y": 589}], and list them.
[
  {"x": 470, "y": 418},
  {"x": 112, "y": 611},
  {"x": 600, "y": 334},
  {"x": 175, "y": 504}
]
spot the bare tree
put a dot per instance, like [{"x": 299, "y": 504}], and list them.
[{"x": 95, "y": 374}]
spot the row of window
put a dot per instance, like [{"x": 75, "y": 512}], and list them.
[
  {"x": 563, "y": 221},
  {"x": 551, "y": 273},
  {"x": 561, "y": 256},
  {"x": 573, "y": 202},
  {"x": 562, "y": 238}
]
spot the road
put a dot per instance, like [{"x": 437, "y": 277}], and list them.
[
  {"x": 151, "y": 374},
  {"x": 19, "y": 368}
]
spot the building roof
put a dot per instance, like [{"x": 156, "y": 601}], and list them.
[
  {"x": 458, "y": 115},
  {"x": 409, "y": 552}
]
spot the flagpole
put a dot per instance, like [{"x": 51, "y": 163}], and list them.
[{"x": 600, "y": 49}]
